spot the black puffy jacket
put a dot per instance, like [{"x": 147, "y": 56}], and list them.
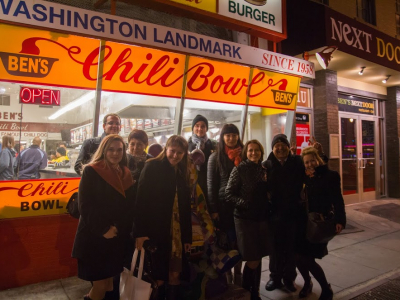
[
  {"x": 247, "y": 190},
  {"x": 217, "y": 179}
]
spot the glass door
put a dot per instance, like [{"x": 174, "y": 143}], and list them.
[{"x": 358, "y": 158}]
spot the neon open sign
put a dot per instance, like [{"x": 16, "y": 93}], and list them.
[{"x": 30, "y": 95}]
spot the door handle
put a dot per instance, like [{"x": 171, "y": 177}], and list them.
[{"x": 364, "y": 163}]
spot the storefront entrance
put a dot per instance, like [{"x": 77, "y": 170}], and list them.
[{"x": 360, "y": 155}]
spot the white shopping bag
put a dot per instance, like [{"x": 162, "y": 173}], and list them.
[{"x": 131, "y": 287}]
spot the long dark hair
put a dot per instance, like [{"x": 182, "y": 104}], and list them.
[
  {"x": 222, "y": 158},
  {"x": 182, "y": 167}
]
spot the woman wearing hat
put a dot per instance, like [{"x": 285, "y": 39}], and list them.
[
  {"x": 220, "y": 166},
  {"x": 199, "y": 140}
]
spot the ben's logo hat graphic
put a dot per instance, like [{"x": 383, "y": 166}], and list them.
[{"x": 257, "y": 2}]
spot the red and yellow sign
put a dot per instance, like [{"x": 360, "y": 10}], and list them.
[
  {"x": 208, "y": 5},
  {"x": 27, "y": 198},
  {"x": 38, "y": 56}
]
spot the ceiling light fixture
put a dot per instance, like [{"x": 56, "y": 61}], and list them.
[
  {"x": 361, "y": 71},
  {"x": 386, "y": 79},
  {"x": 323, "y": 57},
  {"x": 73, "y": 104}
]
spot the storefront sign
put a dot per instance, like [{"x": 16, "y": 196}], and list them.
[
  {"x": 24, "y": 135},
  {"x": 208, "y": 5},
  {"x": 27, "y": 198},
  {"x": 302, "y": 137},
  {"x": 10, "y": 115},
  {"x": 91, "y": 23},
  {"x": 356, "y": 105},
  {"x": 302, "y": 117},
  {"x": 362, "y": 41},
  {"x": 304, "y": 97},
  {"x": 45, "y": 97},
  {"x": 266, "y": 14}
]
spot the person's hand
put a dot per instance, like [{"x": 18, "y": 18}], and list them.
[
  {"x": 215, "y": 216},
  {"x": 293, "y": 148},
  {"x": 140, "y": 241},
  {"x": 187, "y": 247},
  {"x": 111, "y": 233},
  {"x": 339, "y": 228}
]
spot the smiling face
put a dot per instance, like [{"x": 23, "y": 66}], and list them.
[
  {"x": 112, "y": 125},
  {"x": 253, "y": 152},
  {"x": 310, "y": 162},
  {"x": 174, "y": 154},
  {"x": 281, "y": 150},
  {"x": 114, "y": 153},
  {"x": 136, "y": 147},
  {"x": 231, "y": 139},
  {"x": 200, "y": 129}
]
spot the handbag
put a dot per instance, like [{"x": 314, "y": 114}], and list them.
[
  {"x": 73, "y": 206},
  {"x": 131, "y": 287},
  {"x": 320, "y": 228}
]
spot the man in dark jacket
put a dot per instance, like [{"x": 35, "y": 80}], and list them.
[
  {"x": 285, "y": 182},
  {"x": 111, "y": 125},
  {"x": 31, "y": 160}
]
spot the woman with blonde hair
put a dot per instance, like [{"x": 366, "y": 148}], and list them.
[
  {"x": 106, "y": 200},
  {"x": 163, "y": 213},
  {"x": 7, "y": 158},
  {"x": 323, "y": 191}
]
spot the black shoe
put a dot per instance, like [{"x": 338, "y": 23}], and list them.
[
  {"x": 327, "y": 293},
  {"x": 289, "y": 285},
  {"x": 273, "y": 284},
  {"x": 306, "y": 290}
]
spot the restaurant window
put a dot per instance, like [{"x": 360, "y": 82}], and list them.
[{"x": 366, "y": 10}]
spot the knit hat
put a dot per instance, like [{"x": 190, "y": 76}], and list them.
[
  {"x": 280, "y": 138},
  {"x": 199, "y": 118}
]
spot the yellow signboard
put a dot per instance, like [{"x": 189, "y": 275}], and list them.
[
  {"x": 27, "y": 198},
  {"x": 208, "y": 5},
  {"x": 37, "y": 56}
]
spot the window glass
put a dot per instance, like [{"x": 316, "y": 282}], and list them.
[{"x": 64, "y": 126}]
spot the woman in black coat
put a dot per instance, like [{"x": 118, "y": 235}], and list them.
[
  {"x": 163, "y": 213},
  {"x": 247, "y": 190},
  {"x": 220, "y": 166},
  {"x": 106, "y": 211},
  {"x": 324, "y": 196}
]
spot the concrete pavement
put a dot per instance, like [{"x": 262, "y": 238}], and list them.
[{"x": 365, "y": 256}]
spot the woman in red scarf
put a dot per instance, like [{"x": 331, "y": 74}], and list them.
[
  {"x": 106, "y": 201},
  {"x": 220, "y": 166}
]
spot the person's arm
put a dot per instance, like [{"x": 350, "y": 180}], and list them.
[
  {"x": 213, "y": 183},
  {"x": 43, "y": 162},
  {"x": 337, "y": 199},
  {"x": 144, "y": 189},
  {"x": 82, "y": 157},
  {"x": 4, "y": 160},
  {"x": 232, "y": 191},
  {"x": 88, "y": 203}
]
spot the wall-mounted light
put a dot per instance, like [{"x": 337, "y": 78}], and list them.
[
  {"x": 361, "y": 71},
  {"x": 386, "y": 79},
  {"x": 323, "y": 57}
]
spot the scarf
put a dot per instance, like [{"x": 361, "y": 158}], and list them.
[
  {"x": 199, "y": 141},
  {"x": 119, "y": 180},
  {"x": 310, "y": 173},
  {"x": 234, "y": 154}
]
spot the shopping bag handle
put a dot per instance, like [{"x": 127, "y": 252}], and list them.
[{"x": 141, "y": 263}]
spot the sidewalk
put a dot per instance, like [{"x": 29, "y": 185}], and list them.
[{"x": 364, "y": 257}]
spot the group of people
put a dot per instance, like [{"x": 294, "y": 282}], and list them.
[{"x": 259, "y": 206}]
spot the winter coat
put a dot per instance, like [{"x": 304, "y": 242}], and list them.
[
  {"x": 323, "y": 192},
  {"x": 285, "y": 183},
  {"x": 217, "y": 180},
  {"x": 247, "y": 190},
  {"x": 101, "y": 206},
  {"x": 157, "y": 186},
  {"x": 89, "y": 147},
  {"x": 7, "y": 161},
  {"x": 30, "y": 161},
  {"x": 209, "y": 147}
]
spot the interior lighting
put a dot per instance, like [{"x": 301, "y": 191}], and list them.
[
  {"x": 361, "y": 71},
  {"x": 73, "y": 104},
  {"x": 386, "y": 79}
]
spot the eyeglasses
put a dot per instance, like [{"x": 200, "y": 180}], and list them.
[{"x": 112, "y": 124}]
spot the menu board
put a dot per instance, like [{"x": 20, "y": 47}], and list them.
[{"x": 79, "y": 134}]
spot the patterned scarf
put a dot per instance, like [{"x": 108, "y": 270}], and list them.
[
  {"x": 199, "y": 141},
  {"x": 234, "y": 154}
]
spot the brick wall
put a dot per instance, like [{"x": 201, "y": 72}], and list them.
[
  {"x": 326, "y": 111},
  {"x": 392, "y": 111}
]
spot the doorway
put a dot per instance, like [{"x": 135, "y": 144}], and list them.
[{"x": 359, "y": 158}]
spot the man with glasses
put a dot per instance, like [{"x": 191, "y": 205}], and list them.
[{"x": 111, "y": 125}]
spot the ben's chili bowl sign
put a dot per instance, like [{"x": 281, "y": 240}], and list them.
[
  {"x": 139, "y": 70},
  {"x": 25, "y": 198}
]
